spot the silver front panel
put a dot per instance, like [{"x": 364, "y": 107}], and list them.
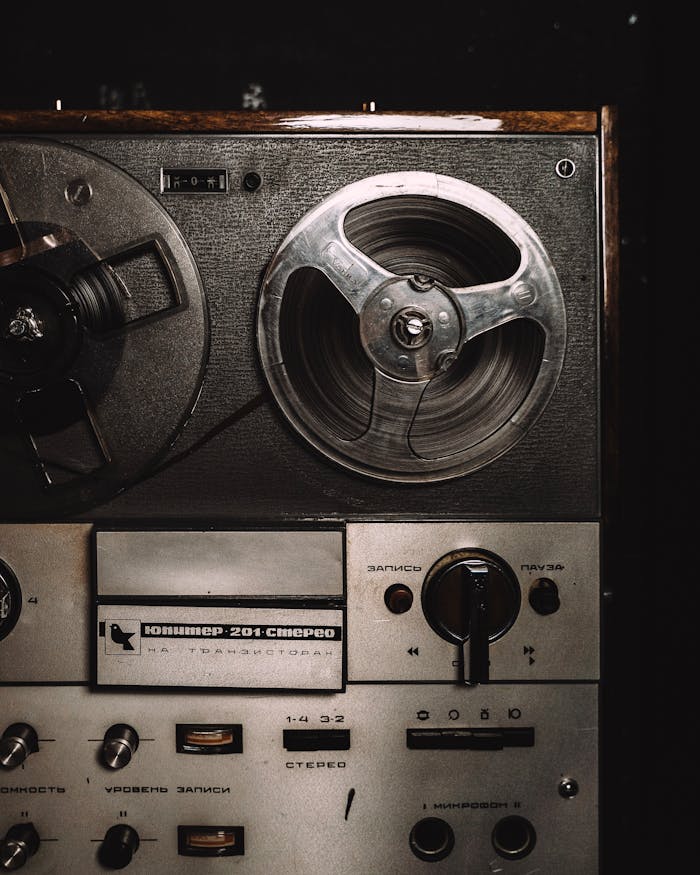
[
  {"x": 563, "y": 645},
  {"x": 298, "y": 810},
  {"x": 350, "y": 810},
  {"x": 379, "y": 642},
  {"x": 347, "y": 809}
]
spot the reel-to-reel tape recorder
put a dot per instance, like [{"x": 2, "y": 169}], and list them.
[{"x": 302, "y": 467}]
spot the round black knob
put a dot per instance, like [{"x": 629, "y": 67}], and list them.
[
  {"x": 17, "y": 742},
  {"x": 447, "y": 601},
  {"x": 544, "y": 596},
  {"x": 119, "y": 745},
  {"x": 118, "y": 846},
  {"x": 21, "y": 842}
]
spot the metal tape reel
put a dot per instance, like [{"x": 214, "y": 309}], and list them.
[
  {"x": 412, "y": 327},
  {"x": 103, "y": 329}
]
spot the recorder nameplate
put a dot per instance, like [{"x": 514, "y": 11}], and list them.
[{"x": 237, "y": 647}]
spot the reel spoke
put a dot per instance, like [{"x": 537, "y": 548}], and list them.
[
  {"x": 490, "y": 305},
  {"x": 66, "y": 439},
  {"x": 324, "y": 246}
]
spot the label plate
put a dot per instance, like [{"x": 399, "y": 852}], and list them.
[{"x": 234, "y": 647}]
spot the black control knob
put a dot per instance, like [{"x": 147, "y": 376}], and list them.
[
  {"x": 21, "y": 842},
  {"x": 17, "y": 742},
  {"x": 471, "y": 595},
  {"x": 118, "y": 846},
  {"x": 119, "y": 745}
]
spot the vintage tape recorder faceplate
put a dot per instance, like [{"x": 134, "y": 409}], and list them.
[{"x": 302, "y": 477}]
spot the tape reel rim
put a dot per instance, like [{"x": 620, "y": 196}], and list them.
[{"x": 533, "y": 258}]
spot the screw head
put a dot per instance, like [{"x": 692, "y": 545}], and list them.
[
  {"x": 523, "y": 294},
  {"x": 17, "y": 328},
  {"x": 412, "y": 328},
  {"x": 445, "y": 360},
  {"x": 565, "y": 168},
  {"x": 78, "y": 192},
  {"x": 421, "y": 282}
]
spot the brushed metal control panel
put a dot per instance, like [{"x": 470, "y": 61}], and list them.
[
  {"x": 346, "y": 811},
  {"x": 168, "y": 700}
]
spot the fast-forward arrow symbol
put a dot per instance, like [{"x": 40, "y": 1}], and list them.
[{"x": 529, "y": 650}]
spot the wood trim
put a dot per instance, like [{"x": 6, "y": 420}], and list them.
[
  {"x": 610, "y": 349},
  {"x": 166, "y": 121}
]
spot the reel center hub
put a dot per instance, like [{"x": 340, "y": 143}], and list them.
[
  {"x": 410, "y": 328},
  {"x": 39, "y": 335},
  {"x": 25, "y": 325}
]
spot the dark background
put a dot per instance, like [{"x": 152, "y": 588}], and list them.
[{"x": 473, "y": 56}]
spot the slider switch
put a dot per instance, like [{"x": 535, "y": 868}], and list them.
[
  {"x": 316, "y": 739},
  {"x": 470, "y": 739}
]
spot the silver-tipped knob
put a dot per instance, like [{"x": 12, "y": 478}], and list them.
[
  {"x": 17, "y": 742},
  {"x": 20, "y": 843},
  {"x": 119, "y": 745}
]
